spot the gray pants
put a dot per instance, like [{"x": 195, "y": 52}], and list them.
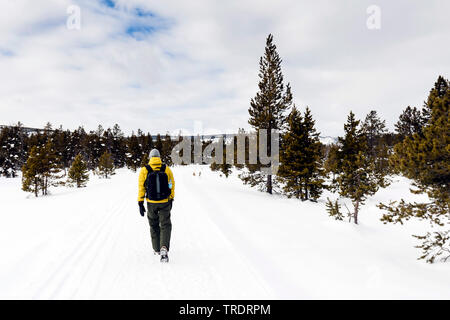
[{"x": 160, "y": 224}]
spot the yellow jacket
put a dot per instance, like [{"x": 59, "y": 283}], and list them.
[{"x": 155, "y": 163}]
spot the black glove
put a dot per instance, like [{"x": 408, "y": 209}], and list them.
[{"x": 141, "y": 208}]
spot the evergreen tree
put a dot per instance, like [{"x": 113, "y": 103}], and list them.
[
  {"x": 106, "y": 165},
  {"x": 409, "y": 122},
  {"x": 78, "y": 172},
  {"x": 41, "y": 169},
  {"x": 12, "y": 150},
  {"x": 31, "y": 179},
  {"x": 167, "y": 150},
  {"x": 300, "y": 156},
  {"x": 424, "y": 158},
  {"x": 50, "y": 166},
  {"x": 267, "y": 109},
  {"x": 146, "y": 142},
  {"x": 159, "y": 142},
  {"x": 377, "y": 150},
  {"x": 134, "y": 153},
  {"x": 373, "y": 128},
  {"x": 93, "y": 146},
  {"x": 331, "y": 161},
  {"x": 118, "y": 147},
  {"x": 437, "y": 93},
  {"x": 225, "y": 167},
  {"x": 145, "y": 160},
  {"x": 357, "y": 178},
  {"x": 61, "y": 140}
]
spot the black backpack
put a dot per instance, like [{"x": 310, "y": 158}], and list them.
[{"x": 157, "y": 184}]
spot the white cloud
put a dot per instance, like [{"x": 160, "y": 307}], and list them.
[{"x": 198, "y": 60}]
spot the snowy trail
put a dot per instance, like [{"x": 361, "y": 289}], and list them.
[
  {"x": 227, "y": 219},
  {"x": 228, "y": 242},
  {"x": 103, "y": 250}
]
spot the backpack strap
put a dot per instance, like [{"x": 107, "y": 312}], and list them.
[
  {"x": 163, "y": 168},
  {"x": 149, "y": 169}
]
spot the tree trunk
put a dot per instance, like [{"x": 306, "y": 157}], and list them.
[
  {"x": 355, "y": 214},
  {"x": 269, "y": 153},
  {"x": 269, "y": 183},
  {"x": 35, "y": 187}
]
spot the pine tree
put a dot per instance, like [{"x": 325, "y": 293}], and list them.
[
  {"x": 159, "y": 142},
  {"x": 146, "y": 142},
  {"x": 267, "y": 109},
  {"x": 31, "y": 179},
  {"x": 93, "y": 147},
  {"x": 106, "y": 165},
  {"x": 300, "y": 156},
  {"x": 437, "y": 93},
  {"x": 61, "y": 140},
  {"x": 167, "y": 150},
  {"x": 41, "y": 169},
  {"x": 409, "y": 122},
  {"x": 12, "y": 150},
  {"x": 373, "y": 128},
  {"x": 225, "y": 167},
  {"x": 377, "y": 151},
  {"x": 50, "y": 166},
  {"x": 118, "y": 146},
  {"x": 134, "y": 152},
  {"x": 78, "y": 172},
  {"x": 424, "y": 157},
  {"x": 357, "y": 178},
  {"x": 331, "y": 161},
  {"x": 145, "y": 160}
]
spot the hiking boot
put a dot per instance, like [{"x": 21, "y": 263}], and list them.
[{"x": 164, "y": 256}]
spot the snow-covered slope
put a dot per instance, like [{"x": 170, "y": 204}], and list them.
[{"x": 229, "y": 241}]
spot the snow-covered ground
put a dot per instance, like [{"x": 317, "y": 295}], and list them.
[{"x": 228, "y": 242}]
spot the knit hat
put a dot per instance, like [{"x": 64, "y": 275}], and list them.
[{"x": 154, "y": 153}]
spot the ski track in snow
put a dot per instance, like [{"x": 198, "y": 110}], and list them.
[
  {"x": 228, "y": 242},
  {"x": 105, "y": 259}
]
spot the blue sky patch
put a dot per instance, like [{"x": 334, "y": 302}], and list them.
[
  {"x": 144, "y": 23},
  {"x": 6, "y": 52},
  {"x": 108, "y": 3},
  {"x": 140, "y": 31},
  {"x": 144, "y": 13}
]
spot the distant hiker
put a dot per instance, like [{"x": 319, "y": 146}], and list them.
[{"x": 157, "y": 186}]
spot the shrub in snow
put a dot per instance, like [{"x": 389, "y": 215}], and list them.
[
  {"x": 435, "y": 245},
  {"x": 333, "y": 209}
]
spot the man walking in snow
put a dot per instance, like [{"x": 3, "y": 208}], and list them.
[{"x": 157, "y": 187}]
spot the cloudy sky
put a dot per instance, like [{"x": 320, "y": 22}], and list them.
[{"x": 164, "y": 65}]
